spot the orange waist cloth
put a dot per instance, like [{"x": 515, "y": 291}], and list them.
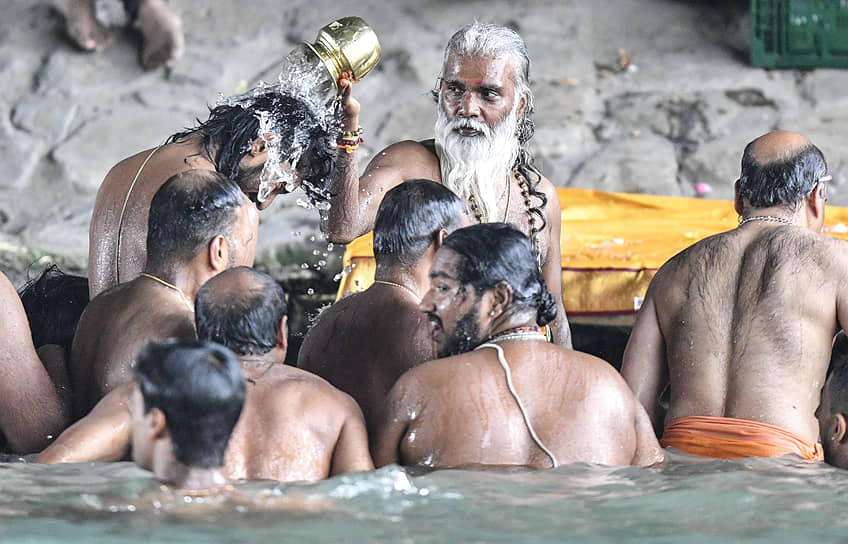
[{"x": 729, "y": 438}]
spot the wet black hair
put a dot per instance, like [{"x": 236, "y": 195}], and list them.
[
  {"x": 785, "y": 182},
  {"x": 243, "y": 316},
  {"x": 409, "y": 220},
  {"x": 53, "y": 303},
  {"x": 494, "y": 252},
  {"x": 230, "y": 130},
  {"x": 838, "y": 374},
  {"x": 199, "y": 386},
  {"x": 186, "y": 213}
]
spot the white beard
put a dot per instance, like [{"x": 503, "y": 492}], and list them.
[{"x": 477, "y": 166}]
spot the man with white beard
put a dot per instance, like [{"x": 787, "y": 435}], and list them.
[{"x": 480, "y": 152}]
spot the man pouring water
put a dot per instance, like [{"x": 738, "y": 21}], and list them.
[{"x": 480, "y": 152}]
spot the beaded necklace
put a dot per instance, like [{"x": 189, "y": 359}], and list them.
[{"x": 530, "y": 332}]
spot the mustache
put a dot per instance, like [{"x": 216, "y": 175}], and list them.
[{"x": 468, "y": 123}]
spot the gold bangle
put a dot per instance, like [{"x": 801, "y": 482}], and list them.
[{"x": 352, "y": 135}]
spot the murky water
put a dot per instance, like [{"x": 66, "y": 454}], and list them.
[{"x": 756, "y": 500}]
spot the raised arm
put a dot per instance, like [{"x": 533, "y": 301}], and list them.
[
  {"x": 356, "y": 198},
  {"x": 31, "y": 412},
  {"x": 552, "y": 268},
  {"x": 644, "y": 365},
  {"x": 351, "y": 452},
  {"x": 102, "y": 435}
]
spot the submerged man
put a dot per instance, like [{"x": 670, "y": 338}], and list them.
[
  {"x": 480, "y": 152},
  {"x": 503, "y": 395},
  {"x": 294, "y": 426},
  {"x": 267, "y": 144},
  {"x": 832, "y": 412},
  {"x": 740, "y": 324},
  {"x": 200, "y": 223},
  {"x": 343, "y": 346},
  {"x": 183, "y": 409}
]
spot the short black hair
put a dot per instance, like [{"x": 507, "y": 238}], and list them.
[
  {"x": 494, "y": 252},
  {"x": 199, "y": 386},
  {"x": 838, "y": 374},
  {"x": 187, "y": 212},
  {"x": 242, "y": 315},
  {"x": 232, "y": 127},
  {"x": 53, "y": 303},
  {"x": 784, "y": 182},
  {"x": 410, "y": 217}
]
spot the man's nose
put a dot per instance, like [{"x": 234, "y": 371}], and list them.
[
  {"x": 469, "y": 105},
  {"x": 426, "y": 301}
]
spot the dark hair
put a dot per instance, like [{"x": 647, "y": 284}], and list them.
[
  {"x": 199, "y": 386},
  {"x": 187, "y": 212},
  {"x": 410, "y": 217},
  {"x": 53, "y": 303},
  {"x": 232, "y": 127},
  {"x": 494, "y": 252},
  {"x": 240, "y": 308},
  {"x": 784, "y": 182},
  {"x": 838, "y": 374}
]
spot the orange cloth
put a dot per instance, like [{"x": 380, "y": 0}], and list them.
[
  {"x": 729, "y": 438},
  {"x": 611, "y": 245}
]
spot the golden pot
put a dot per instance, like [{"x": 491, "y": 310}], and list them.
[{"x": 347, "y": 45}]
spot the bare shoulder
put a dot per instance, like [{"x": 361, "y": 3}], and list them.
[
  {"x": 309, "y": 389},
  {"x": 602, "y": 376},
  {"x": 400, "y": 161}
]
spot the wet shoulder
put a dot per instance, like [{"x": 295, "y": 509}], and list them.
[
  {"x": 407, "y": 159},
  {"x": 296, "y": 386}
]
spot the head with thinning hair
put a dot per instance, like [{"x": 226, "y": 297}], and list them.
[
  {"x": 242, "y": 309},
  {"x": 199, "y": 387},
  {"x": 780, "y": 168},
  {"x": 187, "y": 212},
  {"x": 491, "y": 253},
  {"x": 490, "y": 40},
  {"x": 302, "y": 136},
  {"x": 409, "y": 220}
]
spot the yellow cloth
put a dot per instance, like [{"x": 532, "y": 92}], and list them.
[
  {"x": 612, "y": 245},
  {"x": 730, "y": 438}
]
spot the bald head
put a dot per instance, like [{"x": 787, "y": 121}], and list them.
[
  {"x": 780, "y": 168},
  {"x": 242, "y": 309}
]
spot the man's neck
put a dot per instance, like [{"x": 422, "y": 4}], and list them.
[
  {"x": 184, "y": 278},
  {"x": 255, "y": 366},
  {"x": 413, "y": 280}
]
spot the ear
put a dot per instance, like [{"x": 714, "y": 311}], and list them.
[
  {"x": 522, "y": 106},
  {"x": 282, "y": 336},
  {"x": 219, "y": 253},
  {"x": 737, "y": 200},
  {"x": 257, "y": 146},
  {"x": 837, "y": 428},
  {"x": 157, "y": 425},
  {"x": 440, "y": 238},
  {"x": 501, "y": 295},
  {"x": 817, "y": 199}
]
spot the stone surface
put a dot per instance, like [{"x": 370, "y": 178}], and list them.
[{"x": 639, "y": 164}]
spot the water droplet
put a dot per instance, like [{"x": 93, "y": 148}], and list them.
[
  {"x": 310, "y": 291},
  {"x": 322, "y": 262},
  {"x": 315, "y": 251},
  {"x": 312, "y": 238},
  {"x": 330, "y": 246},
  {"x": 304, "y": 266}
]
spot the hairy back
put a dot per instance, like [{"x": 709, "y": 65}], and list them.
[{"x": 747, "y": 317}]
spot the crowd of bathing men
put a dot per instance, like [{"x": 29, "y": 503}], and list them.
[{"x": 177, "y": 361}]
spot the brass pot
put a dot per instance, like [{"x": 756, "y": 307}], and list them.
[{"x": 347, "y": 45}]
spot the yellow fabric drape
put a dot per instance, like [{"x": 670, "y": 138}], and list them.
[{"x": 612, "y": 245}]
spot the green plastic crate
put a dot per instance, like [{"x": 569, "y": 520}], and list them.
[{"x": 799, "y": 33}]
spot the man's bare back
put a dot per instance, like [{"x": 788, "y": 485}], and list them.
[
  {"x": 458, "y": 412},
  {"x": 112, "y": 330},
  {"x": 117, "y": 242},
  {"x": 296, "y": 427},
  {"x": 740, "y": 324},
  {"x": 386, "y": 332},
  {"x": 747, "y": 318}
]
